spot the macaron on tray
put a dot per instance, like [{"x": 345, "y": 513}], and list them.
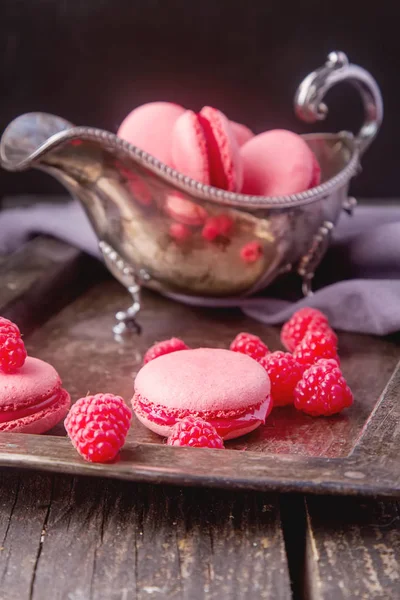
[{"x": 193, "y": 397}]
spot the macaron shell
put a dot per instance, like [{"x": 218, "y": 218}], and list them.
[
  {"x": 149, "y": 127},
  {"x": 193, "y": 156},
  {"x": 228, "y": 147},
  {"x": 206, "y": 379},
  {"x": 35, "y": 381},
  {"x": 41, "y": 421},
  {"x": 277, "y": 163},
  {"x": 189, "y": 148},
  {"x": 242, "y": 133},
  {"x": 165, "y": 431},
  {"x": 239, "y": 426}
]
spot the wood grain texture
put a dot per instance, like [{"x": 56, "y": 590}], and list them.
[
  {"x": 353, "y": 549},
  {"x": 80, "y": 539},
  {"x": 41, "y": 278},
  {"x": 25, "y": 503},
  {"x": 96, "y": 539},
  {"x": 87, "y": 538}
]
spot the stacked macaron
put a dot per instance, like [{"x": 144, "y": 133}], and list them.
[
  {"x": 31, "y": 397},
  {"x": 210, "y": 148}
]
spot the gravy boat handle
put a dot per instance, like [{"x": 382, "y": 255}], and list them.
[{"x": 309, "y": 104}]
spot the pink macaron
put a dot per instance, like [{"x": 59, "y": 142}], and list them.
[
  {"x": 242, "y": 133},
  {"x": 32, "y": 399},
  {"x": 205, "y": 148},
  {"x": 278, "y": 163},
  {"x": 149, "y": 127},
  {"x": 228, "y": 389},
  {"x": 204, "y": 145}
]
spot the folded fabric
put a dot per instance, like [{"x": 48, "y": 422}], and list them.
[{"x": 358, "y": 282}]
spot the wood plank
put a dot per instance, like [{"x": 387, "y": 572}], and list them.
[
  {"x": 353, "y": 549},
  {"x": 159, "y": 463},
  {"x": 41, "y": 278},
  {"x": 24, "y": 509},
  {"x": 98, "y": 539}
]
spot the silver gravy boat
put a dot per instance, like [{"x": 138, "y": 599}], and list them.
[{"x": 149, "y": 218}]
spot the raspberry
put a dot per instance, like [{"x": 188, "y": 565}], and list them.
[
  {"x": 7, "y": 326},
  {"x": 327, "y": 362},
  {"x": 196, "y": 433},
  {"x": 323, "y": 390},
  {"x": 295, "y": 329},
  {"x": 12, "y": 347},
  {"x": 321, "y": 326},
  {"x": 249, "y": 344},
  {"x": 97, "y": 426},
  {"x": 316, "y": 345},
  {"x": 251, "y": 252},
  {"x": 164, "y": 347},
  {"x": 284, "y": 373}
]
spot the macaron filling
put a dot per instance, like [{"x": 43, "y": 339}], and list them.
[
  {"x": 13, "y": 415},
  {"x": 218, "y": 176},
  {"x": 225, "y": 422}
]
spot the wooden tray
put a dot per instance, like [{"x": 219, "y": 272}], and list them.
[{"x": 353, "y": 453}]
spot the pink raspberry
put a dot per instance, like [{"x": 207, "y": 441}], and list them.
[
  {"x": 196, "y": 433},
  {"x": 249, "y": 344},
  {"x": 165, "y": 347},
  {"x": 316, "y": 345},
  {"x": 97, "y": 426},
  {"x": 284, "y": 373},
  {"x": 322, "y": 391},
  {"x": 251, "y": 252},
  {"x": 12, "y": 347},
  {"x": 304, "y": 319}
]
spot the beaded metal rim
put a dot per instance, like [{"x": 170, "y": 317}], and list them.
[{"x": 195, "y": 188}]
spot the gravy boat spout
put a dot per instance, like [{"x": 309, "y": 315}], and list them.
[{"x": 149, "y": 219}]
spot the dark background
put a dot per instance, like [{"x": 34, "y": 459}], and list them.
[{"x": 92, "y": 61}]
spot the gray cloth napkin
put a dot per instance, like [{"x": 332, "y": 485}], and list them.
[{"x": 358, "y": 282}]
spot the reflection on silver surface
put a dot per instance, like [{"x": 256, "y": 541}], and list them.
[{"x": 155, "y": 226}]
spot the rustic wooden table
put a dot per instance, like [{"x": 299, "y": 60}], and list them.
[{"x": 76, "y": 538}]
